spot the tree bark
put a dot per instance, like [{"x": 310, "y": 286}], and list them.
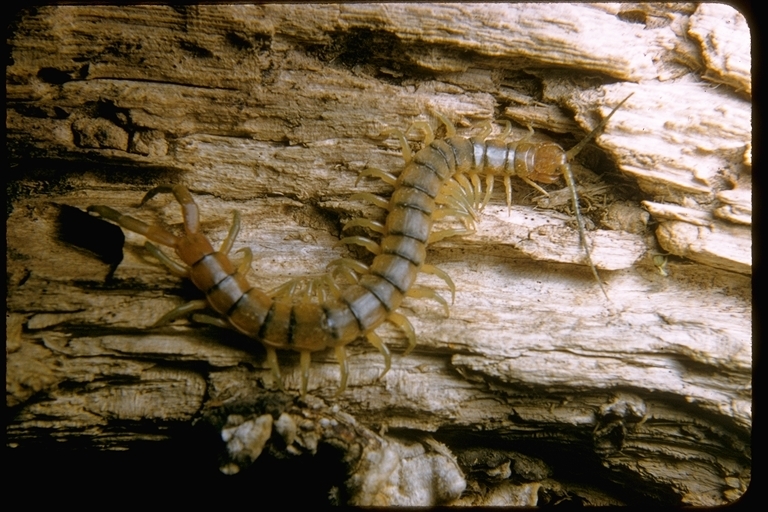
[{"x": 273, "y": 111}]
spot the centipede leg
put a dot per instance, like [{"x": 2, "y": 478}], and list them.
[
  {"x": 354, "y": 265},
  {"x": 226, "y": 245},
  {"x": 464, "y": 217},
  {"x": 457, "y": 201},
  {"x": 373, "y": 225},
  {"x": 371, "y": 198},
  {"x": 347, "y": 274},
  {"x": 154, "y": 233},
  {"x": 431, "y": 269},
  {"x": 436, "y": 236},
  {"x": 488, "y": 191},
  {"x": 507, "y": 129},
  {"x": 361, "y": 240},
  {"x": 305, "y": 358},
  {"x": 422, "y": 292},
  {"x": 477, "y": 187},
  {"x": 405, "y": 325},
  {"x": 245, "y": 265},
  {"x": 471, "y": 189},
  {"x": 211, "y": 320},
  {"x": 183, "y": 310},
  {"x": 508, "y": 193},
  {"x": 189, "y": 209},
  {"x": 450, "y": 129},
  {"x": 377, "y": 342},
  {"x": 348, "y": 269},
  {"x": 341, "y": 357},
  {"x": 487, "y": 128},
  {"x": 406, "y": 149},
  {"x": 284, "y": 290},
  {"x": 176, "y": 268},
  {"x": 372, "y": 172},
  {"x": 429, "y": 135},
  {"x": 536, "y": 185},
  {"x": 528, "y": 136},
  {"x": 333, "y": 288}
]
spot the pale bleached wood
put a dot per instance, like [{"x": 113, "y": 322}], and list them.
[
  {"x": 726, "y": 46},
  {"x": 273, "y": 111}
]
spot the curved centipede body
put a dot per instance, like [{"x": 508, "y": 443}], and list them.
[{"x": 441, "y": 180}]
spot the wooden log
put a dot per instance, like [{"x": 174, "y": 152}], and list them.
[{"x": 274, "y": 110}]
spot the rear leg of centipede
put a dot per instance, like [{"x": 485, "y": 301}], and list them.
[
  {"x": 191, "y": 216},
  {"x": 189, "y": 210},
  {"x": 175, "y": 268},
  {"x": 161, "y": 236},
  {"x": 154, "y": 233}
]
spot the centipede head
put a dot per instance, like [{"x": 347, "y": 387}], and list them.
[{"x": 548, "y": 161}]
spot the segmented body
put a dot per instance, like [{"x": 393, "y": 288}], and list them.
[{"x": 440, "y": 180}]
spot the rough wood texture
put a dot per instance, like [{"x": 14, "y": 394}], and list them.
[{"x": 273, "y": 111}]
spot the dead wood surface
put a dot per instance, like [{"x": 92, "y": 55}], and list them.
[{"x": 273, "y": 111}]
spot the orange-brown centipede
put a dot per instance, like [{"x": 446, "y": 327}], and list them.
[{"x": 442, "y": 179}]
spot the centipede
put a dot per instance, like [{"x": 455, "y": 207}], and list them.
[{"x": 442, "y": 180}]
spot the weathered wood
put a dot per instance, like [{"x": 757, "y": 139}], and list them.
[{"x": 274, "y": 111}]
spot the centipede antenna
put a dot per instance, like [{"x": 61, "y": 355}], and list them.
[
  {"x": 571, "y": 182},
  {"x": 575, "y": 150},
  {"x": 580, "y": 222}
]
